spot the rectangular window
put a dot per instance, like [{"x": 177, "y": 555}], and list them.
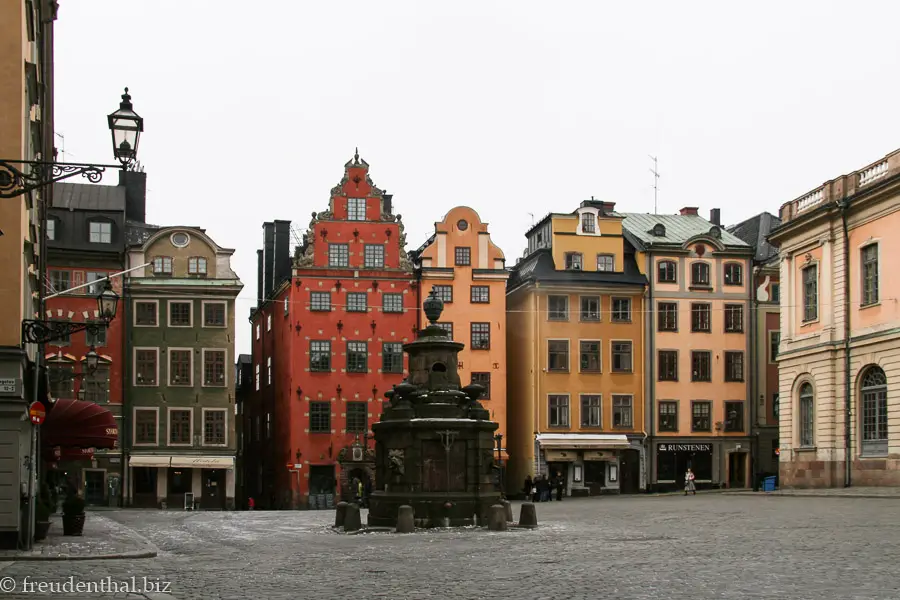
[
  {"x": 444, "y": 292},
  {"x": 357, "y": 302},
  {"x": 357, "y": 417},
  {"x": 666, "y": 272},
  {"x": 96, "y": 385},
  {"x": 448, "y": 327},
  {"x": 734, "y": 417},
  {"x": 197, "y": 265},
  {"x": 356, "y": 209},
  {"x": 621, "y": 357},
  {"x": 257, "y": 377},
  {"x": 269, "y": 323},
  {"x": 62, "y": 380},
  {"x": 574, "y": 261},
  {"x": 463, "y": 256},
  {"x": 214, "y": 368},
  {"x": 558, "y": 355},
  {"x": 214, "y": 427},
  {"x": 734, "y": 274},
  {"x": 774, "y": 342},
  {"x": 145, "y": 314},
  {"x": 180, "y": 426},
  {"x": 338, "y": 255},
  {"x": 558, "y": 308},
  {"x": 51, "y": 229},
  {"x": 320, "y": 301},
  {"x": 145, "y": 366},
  {"x": 392, "y": 303},
  {"x": 667, "y": 316},
  {"x": 95, "y": 286},
  {"x": 319, "y": 356},
  {"x": 700, "y": 273},
  {"x": 483, "y": 379},
  {"x": 145, "y": 426},
  {"x": 701, "y": 365},
  {"x": 101, "y": 233},
  {"x": 374, "y": 256},
  {"x": 320, "y": 417},
  {"x": 588, "y": 223},
  {"x": 162, "y": 265},
  {"x": 481, "y": 336},
  {"x": 700, "y": 416},
  {"x": 622, "y": 411},
  {"x": 606, "y": 262},
  {"x": 559, "y": 410},
  {"x": 810, "y": 293},
  {"x": 392, "y": 357},
  {"x": 701, "y": 317},
  {"x": 180, "y": 367},
  {"x": 775, "y": 406},
  {"x": 621, "y": 310},
  {"x": 179, "y": 314},
  {"x": 96, "y": 338},
  {"x": 590, "y": 410},
  {"x": 870, "y": 274},
  {"x": 357, "y": 357},
  {"x": 60, "y": 280},
  {"x": 668, "y": 365},
  {"x": 734, "y": 318},
  {"x": 775, "y": 292},
  {"x": 590, "y": 308},
  {"x": 480, "y": 294},
  {"x": 269, "y": 371},
  {"x": 668, "y": 416},
  {"x": 734, "y": 366},
  {"x": 214, "y": 314},
  {"x": 590, "y": 356}
]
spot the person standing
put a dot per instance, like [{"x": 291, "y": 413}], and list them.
[
  {"x": 689, "y": 485},
  {"x": 526, "y": 488},
  {"x": 560, "y": 486}
]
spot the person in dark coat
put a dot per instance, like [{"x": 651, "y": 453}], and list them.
[
  {"x": 526, "y": 488},
  {"x": 560, "y": 486}
]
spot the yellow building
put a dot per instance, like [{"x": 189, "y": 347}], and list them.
[
  {"x": 575, "y": 331},
  {"x": 467, "y": 271}
]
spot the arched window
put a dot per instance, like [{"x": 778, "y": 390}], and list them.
[
  {"x": 874, "y": 412},
  {"x": 665, "y": 272},
  {"x": 734, "y": 274},
  {"x": 807, "y": 415}
]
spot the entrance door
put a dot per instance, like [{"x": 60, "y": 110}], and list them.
[
  {"x": 321, "y": 486},
  {"x": 180, "y": 483},
  {"x": 213, "y": 481},
  {"x": 143, "y": 481},
  {"x": 737, "y": 470},
  {"x": 94, "y": 487},
  {"x": 630, "y": 472}
]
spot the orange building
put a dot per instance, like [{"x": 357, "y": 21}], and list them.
[
  {"x": 575, "y": 337},
  {"x": 467, "y": 271}
]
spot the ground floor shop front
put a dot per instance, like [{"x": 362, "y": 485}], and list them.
[
  {"x": 181, "y": 482},
  {"x": 592, "y": 464},
  {"x": 715, "y": 463}
]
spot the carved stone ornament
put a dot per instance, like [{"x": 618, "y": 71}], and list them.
[
  {"x": 808, "y": 257},
  {"x": 342, "y": 455},
  {"x": 395, "y": 460},
  {"x": 308, "y": 257}
]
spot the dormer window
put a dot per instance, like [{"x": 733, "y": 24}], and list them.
[
  {"x": 574, "y": 261},
  {"x": 356, "y": 209},
  {"x": 51, "y": 229},
  {"x": 162, "y": 265},
  {"x": 100, "y": 232},
  {"x": 197, "y": 265},
  {"x": 588, "y": 223},
  {"x": 659, "y": 230}
]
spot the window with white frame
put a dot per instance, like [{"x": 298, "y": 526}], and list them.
[
  {"x": 869, "y": 259},
  {"x": 180, "y": 367},
  {"x": 180, "y": 314},
  {"x": 162, "y": 265},
  {"x": 197, "y": 265},
  {"x": 180, "y": 426},
  {"x": 373, "y": 256},
  {"x": 214, "y": 424},
  {"x": 146, "y": 427},
  {"x": 269, "y": 371},
  {"x": 146, "y": 366},
  {"x": 590, "y": 410},
  {"x": 606, "y": 262},
  {"x": 100, "y": 232},
  {"x": 269, "y": 323},
  {"x": 807, "y": 415},
  {"x": 214, "y": 368},
  {"x": 356, "y": 209},
  {"x": 257, "y": 377},
  {"x": 622, "y": 411},
  {"x": 874, "y": 412},
  {"x": 214, "y": 314}
]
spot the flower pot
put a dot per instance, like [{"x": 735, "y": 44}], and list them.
[
  {"x": 73, "y": 524},
  {"x": 40, "y": 530}
]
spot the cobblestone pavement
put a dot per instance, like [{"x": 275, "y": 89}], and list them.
[
  {"x": 704, "y": 546},
  {"x": 851, "y": 492}
]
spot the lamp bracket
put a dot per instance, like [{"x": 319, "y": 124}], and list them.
[
  {"x": 15, "y": 180},
  {"x": 43, "y": 332}
]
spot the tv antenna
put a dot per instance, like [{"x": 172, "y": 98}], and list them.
[
  {"x": 655, "y": 171},
  {"x": 532, "y": 219}
]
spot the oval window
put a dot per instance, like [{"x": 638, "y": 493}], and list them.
[
  {"x": 180, "y": 239},
  {"x": 462, "y": 225}
]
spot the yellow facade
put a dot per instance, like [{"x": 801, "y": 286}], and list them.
[{"x": 470, "y": 275}]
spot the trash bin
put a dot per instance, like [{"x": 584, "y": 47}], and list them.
[{"x": 768, "y": 484}]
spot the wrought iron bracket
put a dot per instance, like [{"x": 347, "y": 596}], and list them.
[
  {"x": 16, "y": 179},
  {"x": 43, "y": 332}
]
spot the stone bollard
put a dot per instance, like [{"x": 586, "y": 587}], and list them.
[
  {"x": 406, "y": 522},
  {"x": 497, "y": 518},
  {"x": 509, "y": 514},
  {"x": 352, "y": 521},
  {"x": 528, "y": 515},
  {"x": 340, "y": 513}
]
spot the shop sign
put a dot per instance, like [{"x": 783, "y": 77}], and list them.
[
  {"x": 684, "y": 448},
  {"x": 598, "y": 455},
  {"x": 560, "y": 455}
]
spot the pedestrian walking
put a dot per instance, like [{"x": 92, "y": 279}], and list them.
[
  {"x": 689, "y": 485},
  {"x": 526, "y": 488}
]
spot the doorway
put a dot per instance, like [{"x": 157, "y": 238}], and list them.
[
  {"x": 630, "y": 472},
  {"x": 143, "y": 481},
  {"x": 737, "y": 469},
  {"x": 94, "y": 487},
  {"x": 180, "y": 483},
  {"x": 213, "y": 489},
  {"x": 321, "y": 486}
]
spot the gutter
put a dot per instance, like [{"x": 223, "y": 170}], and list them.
[{"x": 844, "y": 207}]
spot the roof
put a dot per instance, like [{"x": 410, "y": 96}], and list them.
[
  {"x": 755, "y": 232},
  {"x": 138, "y": 233},
  {"x": 539, "y": 266},
  {"x": 244, "y": 359},
  {"x": 679, "y": 229},
  {"x": 81, "y": 196}
]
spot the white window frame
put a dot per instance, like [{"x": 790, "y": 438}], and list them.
[
  {"x": 134, "y": 354},
  {"x": 204, "y": 304},
  {"x": 568, "y": 355},
  {"x": 599, "y": 343},
  {"x": 169, "y": 304},
  {"x": 134, "y": 412},
  {"x": 268, "y": 322},
  {"x": 169, "y": 352},
  {"x": 612, "y": 361},
  {"x": 194, "y": 265},
  {"x": 581, "y": 424},
  {"x": 203, "y": 441},
  {"x": 145, "y": 301},
  {"x": 879, "y": 287},
  {"x": 100, "y": 232},
  {"x": 203, "y": 383},
  {"x": 169, "y": 426},
  {"x": 568, "y": 425},
  {"x": 364, "y": 208}
]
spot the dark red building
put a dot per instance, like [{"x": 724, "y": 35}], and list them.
[{"x": 327, "y": 343}]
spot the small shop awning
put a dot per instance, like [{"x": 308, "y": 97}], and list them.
[
  {"x": 79, "y": 424},
  {"x": 583, "y": 441},
  {"x": 203, "y": 462},
  {"x": 149, "y": 461}
]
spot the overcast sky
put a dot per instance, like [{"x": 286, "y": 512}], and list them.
[{"x": 513, "y": 108}]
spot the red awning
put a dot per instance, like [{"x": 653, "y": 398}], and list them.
[
  {"x": 79, "y": 424},
  {"x": 56, "y": 454}
]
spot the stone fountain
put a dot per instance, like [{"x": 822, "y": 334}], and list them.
[{"x": 434, "y": 444}]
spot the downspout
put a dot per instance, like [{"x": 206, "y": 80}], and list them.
[
  {"x": 126, "y": 377},
  {"x": 648, "y": 387},
  {"x": 536, "y": 357},
  {"x": 844, "y": 206},
  {"x": 761, "y": 364}
]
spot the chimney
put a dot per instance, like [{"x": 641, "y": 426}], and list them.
[
  {"x": 689, "y": 210},
  {"x": 135, "y": 184},
  {"x": 281, "y": 265},
  {"x": 268, "y": 259},
  {"x": 260, "y": 268},
  {"x": 387, "y": 203},
  {"x": 715, "y": 216},
  {"x": 608, "y": 207}
]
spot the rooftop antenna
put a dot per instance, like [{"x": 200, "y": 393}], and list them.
[
  {"x": 62, "y": 150},
  {"x": 655, "y": 171},
  {"x": 532, "y": 219}
]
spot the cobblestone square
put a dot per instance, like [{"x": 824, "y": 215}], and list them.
[{"x": 705, "y": 546}]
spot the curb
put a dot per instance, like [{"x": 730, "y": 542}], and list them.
[
  {"x": 814, "y": 495},
  {"x": 49, "y": 557}
]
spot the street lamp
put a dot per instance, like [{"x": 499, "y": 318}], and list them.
[
  {"x": 92, "y": 360},
  {"x": 36, "y": 331},
  {"x": 126, "y": 127}
]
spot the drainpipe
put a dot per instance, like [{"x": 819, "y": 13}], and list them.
[
  {"x": 753, "y": 307},
  {"x": 125, "y": 348},
  {"x": 650, "y": 369},
  {"x": 844, "y": 206},
  {"x": 536, "y": 354}
]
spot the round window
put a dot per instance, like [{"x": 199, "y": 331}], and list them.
[
  {"x": 180, "y": 239},
  {"x": 462, "y": 225}
]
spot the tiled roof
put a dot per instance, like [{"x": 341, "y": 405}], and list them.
[
  {"x": 754, "y": 231},
  {"x": 81, "y": 196},
  {"x": 539, "y": 266},
  {"x": 679, "y": 229}
]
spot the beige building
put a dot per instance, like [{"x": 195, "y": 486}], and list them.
[{"x": 839, "y": 357}]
